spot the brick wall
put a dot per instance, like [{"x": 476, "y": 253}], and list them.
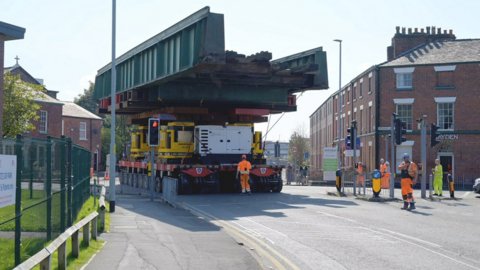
[
  {"x": 467, "y": 92},
  {"x": 54, "y": 122},
  {"x": 24, "y": 76},
  {"x": 71, "y": 127}
]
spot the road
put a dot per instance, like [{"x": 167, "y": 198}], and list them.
[{"x": 304, "y": 228}]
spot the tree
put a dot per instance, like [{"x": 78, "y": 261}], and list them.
[
  {"x": 122, "y": 130},
  {"x": 300, "y": 140},
  {"x": 19, "y": 105},
  {"x": 86, "y": 99}
]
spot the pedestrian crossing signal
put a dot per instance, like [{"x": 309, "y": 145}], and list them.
[{"x": 356, "y": 165}]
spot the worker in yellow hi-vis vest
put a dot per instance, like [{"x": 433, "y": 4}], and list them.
[{"x": 438, "y": 178}]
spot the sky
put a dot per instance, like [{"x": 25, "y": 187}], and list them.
[{"x": 67, "y": 42}]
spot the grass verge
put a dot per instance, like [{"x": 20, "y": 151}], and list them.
[{"x": 32, "y": 245}]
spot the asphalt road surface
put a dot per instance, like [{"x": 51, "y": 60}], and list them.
[{"x": 304, "y": 228}]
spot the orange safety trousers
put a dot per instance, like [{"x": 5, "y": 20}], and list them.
[
  {"x": 386, "y": 181},
  {"x": 360, "y": 177},
  {"x": 407, "y": 190},
  {"x": 244, "y": 177}
]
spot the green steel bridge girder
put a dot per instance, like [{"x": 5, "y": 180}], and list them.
[{"x": 229, "y": 94}]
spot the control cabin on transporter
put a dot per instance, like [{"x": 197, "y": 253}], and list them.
[{"x": 207, "y": 100}]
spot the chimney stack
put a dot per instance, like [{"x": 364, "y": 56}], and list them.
[
  {"x": 433, "y": 30},
  {"x": 439, "y": 31},
  {"x": 409, "y": 31},
  {"x": 403, "y": 30},
  {"x": 422, "y": 31},
  {"x": 398, "y": 29},
  {"x": 451, "y": 32},
  {"x": 416, "y": 29},
  {"x": 428, "y": 30}
]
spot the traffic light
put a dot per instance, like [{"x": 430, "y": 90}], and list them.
[
  {"x": 433, "y": 135},
  {"x": 349, "y": 137},
  {"x": 400, "y": 129},
  {"x": 153, "y": 131}
]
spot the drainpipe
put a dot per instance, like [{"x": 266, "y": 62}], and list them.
[{"x": 377, "y": 118}]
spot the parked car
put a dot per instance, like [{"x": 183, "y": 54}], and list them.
[{"x": 476, "y": 186}]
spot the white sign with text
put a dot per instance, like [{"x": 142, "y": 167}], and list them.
[{"x": 8, "y": 178}]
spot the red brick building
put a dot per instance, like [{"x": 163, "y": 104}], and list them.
[
  {"x": 50, "y": 112},
  {"x": 57, "y": 118},
  {"x": 85, "y": 129},
  {"x": 429, "y": 75}
]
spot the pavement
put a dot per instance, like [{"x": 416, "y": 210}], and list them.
[{"x": 146, "y": 235}]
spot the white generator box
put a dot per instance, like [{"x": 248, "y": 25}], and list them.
[{"x": 223, "y": 140}]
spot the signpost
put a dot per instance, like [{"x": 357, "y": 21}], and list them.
[
  {"x": 8, "y": 178},
  {"x": 329, "y": 163}
]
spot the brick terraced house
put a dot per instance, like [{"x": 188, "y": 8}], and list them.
[{"x": 428, "y": 75}]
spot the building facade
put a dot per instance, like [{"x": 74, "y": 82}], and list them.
[
  {"x": 428, "y": 75},
  {"x": 57, "y": 118},
  {"x": 85, "y": 129}
]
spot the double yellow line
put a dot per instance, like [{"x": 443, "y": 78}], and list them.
[{"x": 251, "y": 241}]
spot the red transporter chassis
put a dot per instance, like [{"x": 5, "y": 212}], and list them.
[{"x": 210, "y": 178}]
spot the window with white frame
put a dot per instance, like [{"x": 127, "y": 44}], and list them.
[
  {"x": 445, "y": 116},
  {"x": 404, "y": 78},
  {"x": 404, "y": 113},
  {"x": 43, "y": 121},
  {"x": 361, "y": 88},
  {"x": 83, "y": 131}
]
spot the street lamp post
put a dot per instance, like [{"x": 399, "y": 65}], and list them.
[{"x": 339, "y": 164}]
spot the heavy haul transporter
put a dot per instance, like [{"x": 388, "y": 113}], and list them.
[{"x": 207, "y": 100}]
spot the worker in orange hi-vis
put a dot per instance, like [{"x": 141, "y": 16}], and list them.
[
  {"x": 387, "y": 175},
  {"x": 360, "y": 174},
  {"x": 383, "y": 168},
  {"x": 409, "y": 174},
  {"x": 244, "y": 171}
]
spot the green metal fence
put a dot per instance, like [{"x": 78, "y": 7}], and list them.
[{"x": 53, "y": 182}]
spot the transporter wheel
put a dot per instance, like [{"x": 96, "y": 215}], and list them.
[
  {"x": 279, "y": 186},
  {"x": 183, "y": 185}
]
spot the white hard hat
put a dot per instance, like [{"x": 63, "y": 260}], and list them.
[
  {"x": 382, "y": 160},
  {"x": 387, "y": 163}
]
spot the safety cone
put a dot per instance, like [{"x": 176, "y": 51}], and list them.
[{"x": 107, "y": 175}]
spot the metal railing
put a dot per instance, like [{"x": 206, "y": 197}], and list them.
[{"x": 52, "y": 183}]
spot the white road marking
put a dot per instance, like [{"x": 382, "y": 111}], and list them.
[
  {"x": 339, "y": 217},
  {"x": 431, "y": 250},
  {"x": 410, "y": 237},
  {"x": 282, "y": 203},
  {"x": 466, "y": 194},
  {"x": 264, "y": 226}
]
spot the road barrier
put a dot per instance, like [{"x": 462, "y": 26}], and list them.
[{"x": 44, "y": 257}]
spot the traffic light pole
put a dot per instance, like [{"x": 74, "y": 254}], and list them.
[
  {"x": 393, "y": 162},
  {"x": 152, "y": 175},
  {"x": 354, "y": 142},
  {"x": 423, "y": 140}
]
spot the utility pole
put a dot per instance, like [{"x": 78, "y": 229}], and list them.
[
  {"x": 393, "y": 167},
  {"x": 339, "y": 147},
  {"x": 112, "y": 128}
]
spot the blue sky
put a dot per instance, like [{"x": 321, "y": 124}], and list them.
[{"x": 66, "y": 42}]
